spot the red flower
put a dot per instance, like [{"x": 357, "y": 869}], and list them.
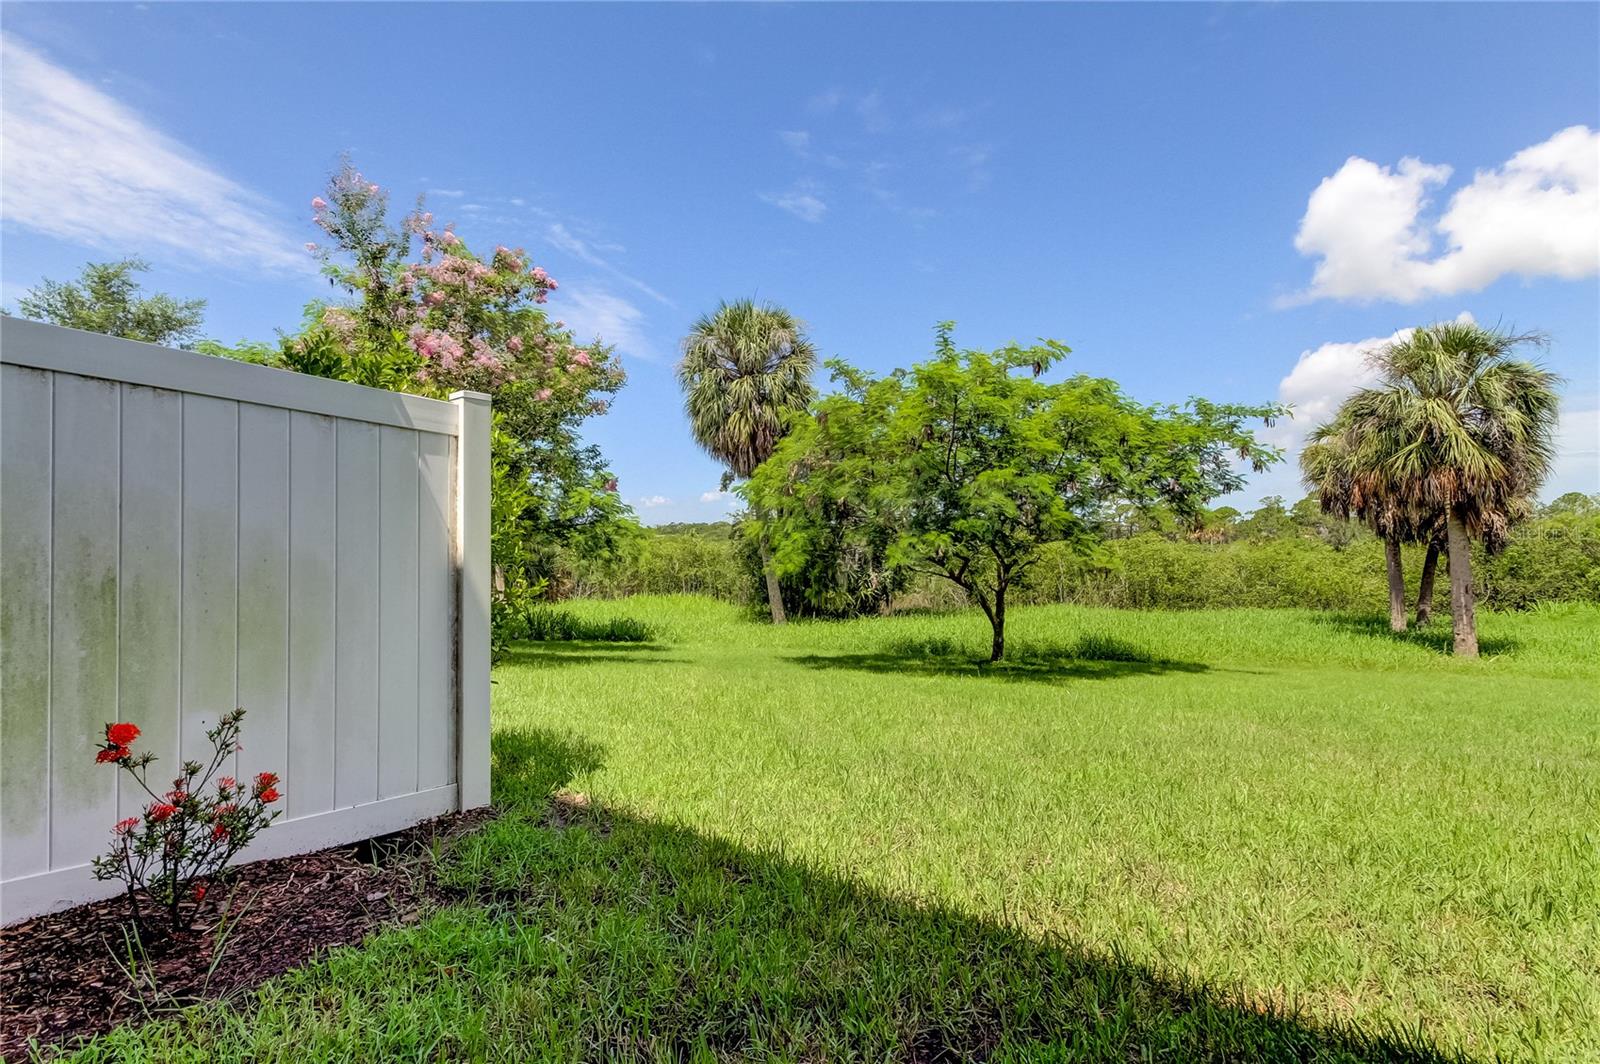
[
  {"x": 265, "y": 780},
  {"x": 226, "y": 783},
  {"x": 177, "y": 797},
  {"x": 269, "y": 795},
  {"x": 121, "y": 734},
  {"x": 111, "y": 753},
  {"x": 219, "y": 831},
  {"x": 199, "y": 891},
  {"x": 159, "y": 812},
  {"x": 125, "y": 827},
  {"x": 223, "y": 810}
]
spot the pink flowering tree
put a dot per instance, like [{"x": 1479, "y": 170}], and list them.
[{"x": 419, "y": 311}]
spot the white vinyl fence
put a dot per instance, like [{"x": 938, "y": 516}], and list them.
[{"x": 180, "y": 535}]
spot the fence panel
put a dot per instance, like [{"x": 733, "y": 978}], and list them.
[{"x": 182, "y": 534}]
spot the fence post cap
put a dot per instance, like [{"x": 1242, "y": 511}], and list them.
[{"x": 471, "y": 397}]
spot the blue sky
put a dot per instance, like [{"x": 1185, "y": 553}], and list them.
[{"x": 1217, "y": 200}]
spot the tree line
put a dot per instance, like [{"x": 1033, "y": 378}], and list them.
[{"x": 979, "y": 470}]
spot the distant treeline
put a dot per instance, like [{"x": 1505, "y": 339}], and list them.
[{"x": 1272, "y": 557}]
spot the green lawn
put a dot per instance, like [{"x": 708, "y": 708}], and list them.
[{"x": 1176, "y": 836}]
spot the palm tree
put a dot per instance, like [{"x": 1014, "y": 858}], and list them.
[
  {"x": 746, "y": 369},
  {"x": 1328, "y": 467},
  {"x": 1457, "y": 426}
]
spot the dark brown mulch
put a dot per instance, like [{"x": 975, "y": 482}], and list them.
[{"x": 65, "y": 975}]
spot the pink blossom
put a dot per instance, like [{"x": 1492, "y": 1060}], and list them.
[
  {"x": 318, "y": 203},
  {"x": 611, "y": 484},
  {"x": 433, "y": 299},
  {"x": 514, "y": 344},
  {"x": 372, "y": 188},
  {"x": 542, "y": 394},
  {"x": 310, "y": 246},
  {"x": 582, "y": 358}
]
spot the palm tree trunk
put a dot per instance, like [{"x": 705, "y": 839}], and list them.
[
  {"x": 1430, "y": 566},
  {"x": 774, "y": 592},
  {"x": 1397, "y": 584},
  {"x": 1463, "y": 611}
]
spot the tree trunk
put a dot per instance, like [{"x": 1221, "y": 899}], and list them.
[
  {"x": 1430, "y": 565},
  {"x": 1463, "y": 611},
  {"x": 997, "y": 619},
  {"x": 1397, "y": 584},
  {"x": 774, "y": 593}
]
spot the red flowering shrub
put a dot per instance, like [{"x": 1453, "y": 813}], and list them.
[{"x": 188, "y": 835}]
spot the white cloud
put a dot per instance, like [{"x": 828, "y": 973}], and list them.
[
  {"x": 595, "y": 313},
  {"x": 1538, "y": 215},
  {"x": 650, "y": 502},
  {"x": 797, "y": 141},
  {"x": 77, "y": 165},
  {"x": 447, "y": 193},
  {"x": 801, "y": 200},
  {"x": 715, "y": 496},
  {"x": 1577, "y": 464}
]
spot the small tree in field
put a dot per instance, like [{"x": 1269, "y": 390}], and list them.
[
  {"x": 971, "y": 464},
  {"x": 106, "y": 299}
]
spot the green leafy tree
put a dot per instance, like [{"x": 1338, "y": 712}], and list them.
[
  {"x": 106, "y": 299},
  {"x": 1459, "y": 426},
  {"x": 974, "y": 464},
  {"x": 746, "y": 371}
]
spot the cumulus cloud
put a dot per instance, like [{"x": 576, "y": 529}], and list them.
[
  {"x": 715, "y": 496},
  {"x": 598, "y": 314},
  {"x": 650, "y": 502},
  {"x": 78, "y": 165},
  {"x": 1537, "y": 215},
  {"x": 801, "y": 200}
]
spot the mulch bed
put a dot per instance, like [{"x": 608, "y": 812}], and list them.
[{"x": 63, "y": 976}]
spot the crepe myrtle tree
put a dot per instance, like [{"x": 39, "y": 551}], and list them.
[
  {"x": 421, "y": 312},
  {"x": 972, "y": 462}
]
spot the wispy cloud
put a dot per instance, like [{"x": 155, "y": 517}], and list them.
[
  {"x": 716, "y": 496},
  {"x": 587, "y": 251},
  {"x": 80, "y": 166},
  {"x": 802, "y": 199},
  {"x": 606, "y": 316},
  {"x": 650, "y": 502},
  {"x": 447, "y": 193},
  {"x": 1536, "y": 215}
]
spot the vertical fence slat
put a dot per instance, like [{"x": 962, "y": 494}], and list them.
[
  {"x": 397, "y": 618},
  {"x": 264, "y": 466},
  {"x": 83, "y": 621},
  {"x": 309, "y": 770},
  {"x": 472, "y": 568},
  {"x": 435, "y": 617},
  {"x": 356, "y": 635},
  {"x": 150, "y": 645},
  {"x": 210, "y": 555},
  {"x": 24, "y": 620}
]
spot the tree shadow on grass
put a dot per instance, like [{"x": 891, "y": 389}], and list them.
[
  {"x": 585, "y": 652},
  {"x": 1436, "y": 636},
  {"x": 1087, "y": 658},
  {"x": 693, "y": 947}
]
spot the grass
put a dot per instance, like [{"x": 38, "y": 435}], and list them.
[{"x": 1218, "y": 836}]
